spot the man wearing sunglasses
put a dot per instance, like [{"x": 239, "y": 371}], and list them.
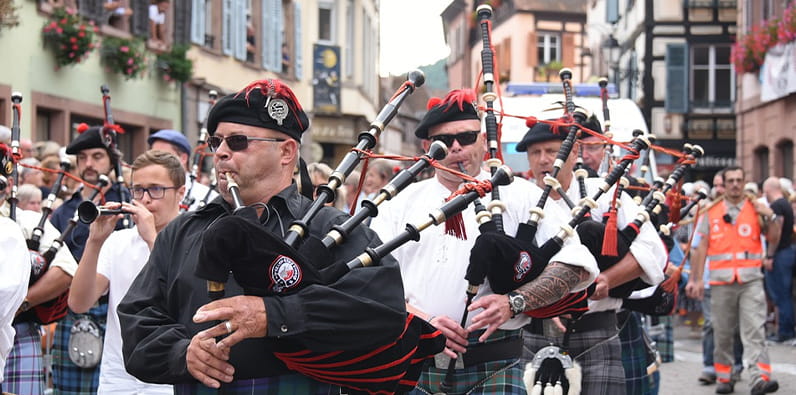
[
  {"x": 434, "y": 269},
  {"x": 94, "y": 158},
  {"x": 175, "y": 334},
  {"x": 112, "y": 260}
]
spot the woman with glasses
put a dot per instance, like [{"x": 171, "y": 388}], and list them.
[{"x": 112, "y": 260}]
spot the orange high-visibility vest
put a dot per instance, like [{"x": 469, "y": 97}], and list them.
[{"x": 735, "y": 250}]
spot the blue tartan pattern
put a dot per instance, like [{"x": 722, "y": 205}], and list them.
[
  {"x": 494, "y": 377},
  {"x": 289, "y": 384},
  {"x": 69, "y": 378},
  {"x": 24, "y": 373},
  {"x": 635, "y": 358}
]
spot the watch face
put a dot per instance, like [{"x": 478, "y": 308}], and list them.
[{"x": 517, "y": 303}]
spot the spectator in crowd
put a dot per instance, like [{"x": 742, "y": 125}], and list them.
[
  {"x": 157, "y": 23},
  {"x": 780, "y": 260},
  {"x": 30, "y": 175},
  {"x": 29, "y": 197},
  {"x": 378, "y": 175}
]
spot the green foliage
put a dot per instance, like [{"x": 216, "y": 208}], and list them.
[{"x": 175, "y": 65}]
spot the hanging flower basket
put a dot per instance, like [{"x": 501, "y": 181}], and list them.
[
  {"x": 175, "y": 65},
  {"x": 69, "y": 37},
  {"x": 749, "y": 51},
  {"x": 124, "y": 56}
]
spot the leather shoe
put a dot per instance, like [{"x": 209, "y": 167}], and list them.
[
  {"x": 763, "y": 387},
  {"x": 725, "y": 387},
  {"x": 707, "y": 378}
]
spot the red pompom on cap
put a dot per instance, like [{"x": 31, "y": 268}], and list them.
[
  {"x": 531, "y": 121},
  {"x": 82, "y": 127},
  {"x": 432, "y": 102}
]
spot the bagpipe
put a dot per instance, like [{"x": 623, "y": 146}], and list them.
[
  {"x": 110, "y": 131},
  {"x": 389, "y": 368},
  {"x": 16, "y": 155},
  {"x": 490, "y": 219},
  {"x": 198, "y": 158}
]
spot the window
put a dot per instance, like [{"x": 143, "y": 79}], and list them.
[
  {"x": 548, "y": 48},
  {"x": 349, "y": 38},
  {"x": 761, "y": 163},
  {"x": 785, "y": 151},
  {"x": 712, "y": 77},
  {"x": 273, "y": 26},
  {"x": 326, "y": 25}
]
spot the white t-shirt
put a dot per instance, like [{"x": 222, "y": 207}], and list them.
[
  {"x": 14, "y": 276},
  {"x": 156, "y": 16},
  {"x": 121, "y": 258},
  {"x": 433, "y": 269},
  {"x": 648, "y": 249}
]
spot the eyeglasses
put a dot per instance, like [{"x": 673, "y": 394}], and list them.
[
  {"x": 155, "y": 192},
  {"x": 237, "y": 142},
  {"x": 464, "y": 138}
]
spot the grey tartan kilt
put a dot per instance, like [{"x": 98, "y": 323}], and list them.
[{"x": 598, "y": 352}]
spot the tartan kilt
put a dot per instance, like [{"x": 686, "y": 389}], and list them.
[
  {"x": 599, "y": 354},
  {"x": 24, "y": 370},
  {"x": 288, "y": 384},
  {"x": 636, "y": 358},
  {"x": 494, "y": 377},
  {"x": 69, "y": 378}
]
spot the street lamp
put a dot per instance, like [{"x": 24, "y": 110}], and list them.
[{"x": 611, "y": 52}]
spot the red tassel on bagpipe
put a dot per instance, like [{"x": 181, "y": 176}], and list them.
[
  {"x": 454, "y": 226},
  {"x": 611, "y": 229}
]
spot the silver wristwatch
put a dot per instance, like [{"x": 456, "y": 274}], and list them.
[{"x": 516, "y": 303}]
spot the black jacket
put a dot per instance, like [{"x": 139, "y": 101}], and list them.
[{"x": 364, "y": 308}]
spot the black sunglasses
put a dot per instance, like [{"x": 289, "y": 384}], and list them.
[
  {"x": 464, "y": 138},
  {"x": 237, "y": 142}
]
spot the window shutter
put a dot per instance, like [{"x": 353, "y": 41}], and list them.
[
  {"x": 239, "y": 29},
  {"x": 140, "y": 18},
  {"x": 267, "y": 34},
  {"x": 198, "y": 22},
  {"x": 92, "y": 9},
  {"x": 676, "y": 78},
  {"x": 227, "y": 41},
  {"x": 297, "y": 43},
  {"x": 182, "y": 21},
  {"x": 611, "y": 11},
  {"x": 279, "y": 28}
]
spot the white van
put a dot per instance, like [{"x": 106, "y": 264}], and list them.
[{"x": 533, "y": 98}]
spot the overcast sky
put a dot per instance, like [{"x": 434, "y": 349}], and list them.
[{"x": 411, "y": 34}]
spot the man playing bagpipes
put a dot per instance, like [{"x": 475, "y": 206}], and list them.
[
  {"x": 591, "y": 339},
  {"x": 24, "y": 370},
  {"x": 487, "y": 347},
  {"x": 14, "y": 273},
  {"x": 95, "y": 158},
  {"x": 172, "y": 330}
]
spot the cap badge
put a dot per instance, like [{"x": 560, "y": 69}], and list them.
[{"x": 277, "y": 110}]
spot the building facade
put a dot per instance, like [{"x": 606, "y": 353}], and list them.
[
  {"x": 327, "y": 51},
  {"x": 673, "y": 59},
  {"x": 533, "y": 40},
  {"x": 766, "y": 115},
  {"x": 56, "y": 100}
]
